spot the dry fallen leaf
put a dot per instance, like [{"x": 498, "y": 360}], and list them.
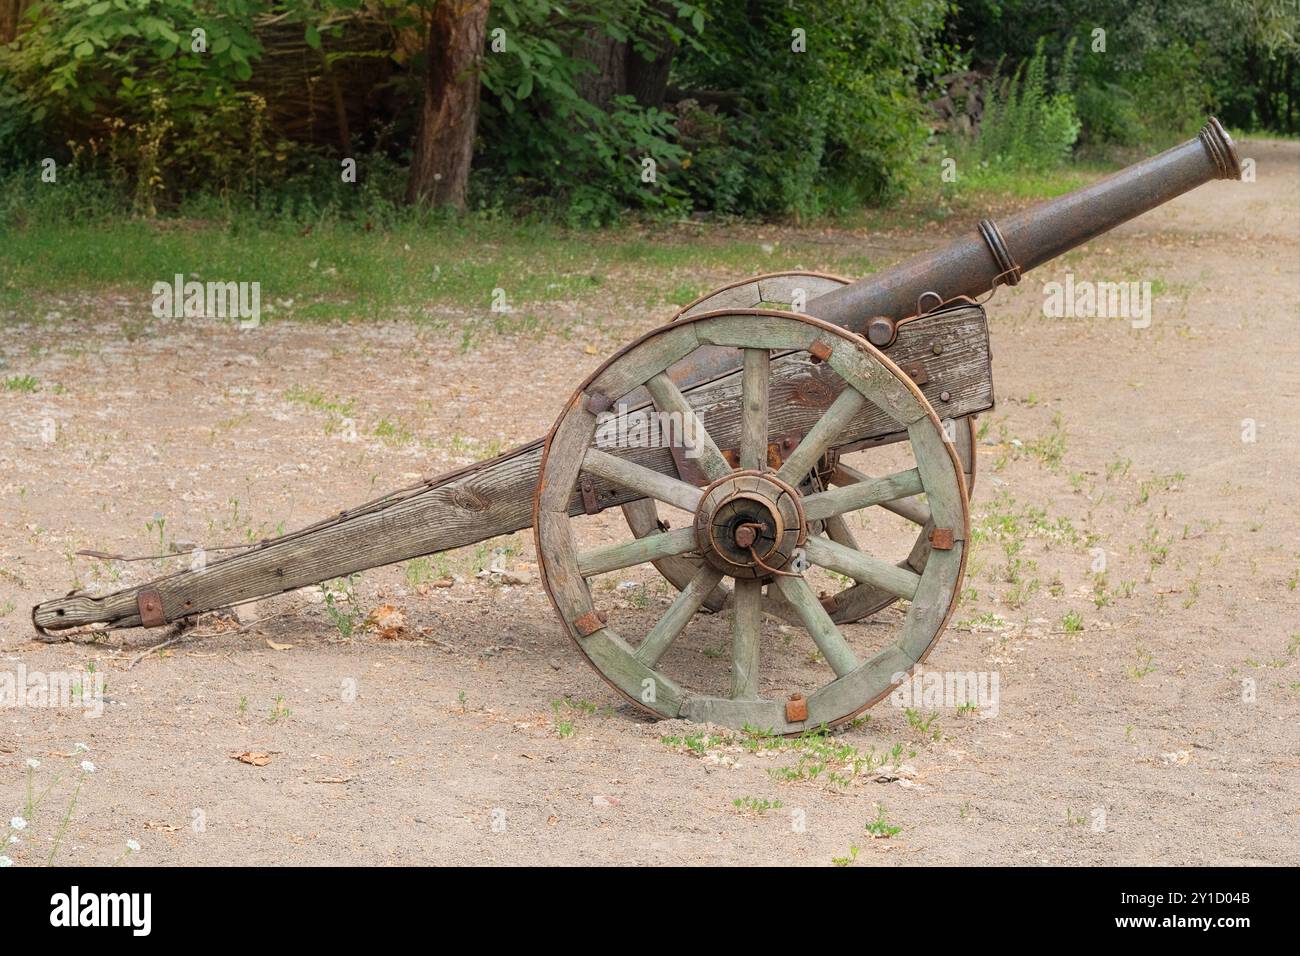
[
  {"x": 257, "y": 758},
  {"x": 387, "y": 621},
  {"x": 278, "y": 647},
  {"x": 164, "y": 827}
]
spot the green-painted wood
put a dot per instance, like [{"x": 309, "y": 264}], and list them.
[
  {"x": 828, "y": 428},
  {"x": 662, "y": 544},
  {"x": 643, "y": 518},
  {"x": 913, "y": 509},
  {"x": 764, "y": 715},
  {"x": 678, "y": 615},
  {"x": 820, "y": 627},
  {"x": 642, "y": 480},
  {"x": 941, "y": 477},
  {"x": 746, "y": 629},
  {"x": 612, "y": 656},
  {"x": 644, "y": 360},
  {"x": 859, "y": 689},
  {"x": 668, "y": 398},
  {"x": 863, "y": 494},
  {"x": 863, "y": 367},
  {"x": 568, "y": 445},
  {"x": 753, "y": 420},
  {"x": 862, "y": 567},
  {"x": 940, "y": 583},
  {"x": 759, "y": 332}
]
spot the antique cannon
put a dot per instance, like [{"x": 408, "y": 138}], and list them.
[{"x": 762, "y": 403}]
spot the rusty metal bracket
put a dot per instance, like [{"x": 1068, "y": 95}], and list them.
[
  {"x": 589, "y": 623},
  {"x": 941, "y": 539},
  {"x": 589, "y": 502},
  {"x": 150, "y": 605},
  {"x": 917, "y": 373},
  {"x": 597, "y": 402},
  {"x": 820, "y": 350},
  {"x": 774, "y": 456},
  {"x": 796, "y": 709}
]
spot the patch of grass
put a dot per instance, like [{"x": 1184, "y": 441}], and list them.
[
  {"x": 20, "y": 383},
  {"x": 880, "y": 828},
  {"x": 756, "y": 804},
  {"x": 846, "y": 860},
  {"x": 1072, "y": 623},
  {"x": 416, "y": 268},
  {"x": 922, "y": 724},
  {"x": 1143, "y": 665},
  {"x": 341, "y": 605}
]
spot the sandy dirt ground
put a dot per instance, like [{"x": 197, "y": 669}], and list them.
[{"x": 1148, "y": 713}]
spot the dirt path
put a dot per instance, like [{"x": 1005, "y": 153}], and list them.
[{"x": 1149, "y": 713}]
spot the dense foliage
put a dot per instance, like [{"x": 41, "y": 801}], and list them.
[{"x": 590, "y": 108}]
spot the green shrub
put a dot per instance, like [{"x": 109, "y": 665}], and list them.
[{"x": 1026, "y": 126}]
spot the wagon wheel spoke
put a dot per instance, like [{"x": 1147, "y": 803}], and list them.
[
  {"x": 678, "y": 614},
  {"x": 912, "y": 509},
  {"x": 863, "y": 494},
  {"x": 669, "y": 398},
  {"x": 640, "y": 479},
  {"x": 837, "y": 529},
  {"x": 819, "y": 438},
  {"x": 615, "y": 557},
  {"x": 746, "y": 628},
  {"x": 753, "y": 422},
  {"x": 863, "y": 568},
  {"x": 818, "y": 623}
]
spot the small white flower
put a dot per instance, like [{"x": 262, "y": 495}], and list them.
[
  {"x": 33, "y": 763},
  {"x": 133, "y": 846},
  {"x": 5, "y": 861},
  {"x": 17, "y": 823},
  {"x": 87, "y": 766},
  {"x": 12, "y": 839},
  {"x": 80, "y": 747}
]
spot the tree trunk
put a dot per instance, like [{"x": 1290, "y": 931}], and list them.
[
  {"x": 599, "y": 86},
  {"x": 444, "y": 145},
  {"x": 647, "y": 79}
]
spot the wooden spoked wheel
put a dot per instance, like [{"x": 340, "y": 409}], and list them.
[
  {"x": 750, "y": 525},
  {"x": 858, "y": 601}
]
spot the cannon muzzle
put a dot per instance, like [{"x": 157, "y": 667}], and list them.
[{"x": 999, "y": 253}]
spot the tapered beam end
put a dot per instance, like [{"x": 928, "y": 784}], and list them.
[{"x": 1221, "y": 149}]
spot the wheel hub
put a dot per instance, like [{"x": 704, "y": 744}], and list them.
[{"x": 749, "y": 524}]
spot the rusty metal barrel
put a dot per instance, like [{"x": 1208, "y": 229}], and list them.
[{"x": 999, "y": 253}]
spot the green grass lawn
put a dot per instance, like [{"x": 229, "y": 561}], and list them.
[{"x": 426, "y": 271}]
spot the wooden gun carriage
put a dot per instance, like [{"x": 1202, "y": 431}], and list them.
[{"x": 765, "y": 400}]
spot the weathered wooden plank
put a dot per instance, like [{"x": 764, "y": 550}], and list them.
[
  {"x": 746, "y": 629},
  {"x": 820, "y": 627},
  {"x": 862, "y": 567},
  {"x": 830, "y": 426},
  {"x": 615, "y": 557},
  {"x": 678, "y": 615},
  {"x": 862, "y": 494},
  {"x": 668, "y": 398},
  {"x": 753, "y": 404},
  {"x": 641, "y": 480},
  {"x": 913, "y": 509},
  {"x": 643, "y": 518}
]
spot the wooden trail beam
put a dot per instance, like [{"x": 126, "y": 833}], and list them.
[{"x": 949, "y": 351}]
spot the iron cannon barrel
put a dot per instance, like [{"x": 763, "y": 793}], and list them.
[{"x": 998, "y": 254}]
